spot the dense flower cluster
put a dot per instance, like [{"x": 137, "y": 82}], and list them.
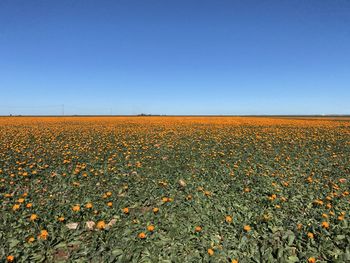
[{"x": 187, "y": 189}]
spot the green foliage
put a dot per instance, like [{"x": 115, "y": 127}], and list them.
[{"x": 283, "y": 179}]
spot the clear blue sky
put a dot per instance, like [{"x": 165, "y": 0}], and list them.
[{"x": 175, "y": 57}]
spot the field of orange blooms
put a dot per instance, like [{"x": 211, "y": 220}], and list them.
[{"x": 174, "y": 189}]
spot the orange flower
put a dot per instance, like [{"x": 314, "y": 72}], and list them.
[
  {"x": 341, "y": 217},
  {"x": 311, "y": 260},
  {"x": 89, "y": 205},
  {"x": 310, "y": 235},
  {"x": 126, "y": 210},
  {"x": 234, "y": 261},
  {"x": 43, "y": 234},
  {"x": 109, "y": 194},
  {"x": 10, "y": 258},
  {"x": 15, "y": 207},
  {"x": 228, "y": 219},
  {"x": 29, "y": 205},
  {"x": 318, "y": 202},
  {"x": 109, "y": 204},
  {"x": 33, "y": 217},
  {"x": 150, "y": 228},
  {"x": 247, "y": 228},
  {"x": 325, "y": 224},
  {"x": 76, "y": 208},
  {"x": 31, "y": 240},
  {"x": 155, "y": 210},
  {"x": 142, "y": 235},
  {"x": 299, "y": 226},
  {"x": 210, "y": 251},
  {"x": 61, "y": 219},
  {"x": 20, "y": 200},
  {"x": 101, "y": 225},
  {"x": 272, "y": 197},
  {"x": 198, "y": 229}
]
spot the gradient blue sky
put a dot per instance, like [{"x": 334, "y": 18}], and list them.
[{"x": 175, "y": 57}]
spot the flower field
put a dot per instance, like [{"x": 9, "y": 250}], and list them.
[{"x": 174, "y": 189}]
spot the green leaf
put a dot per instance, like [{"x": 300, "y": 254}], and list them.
[{"x": 293, "y": 259}]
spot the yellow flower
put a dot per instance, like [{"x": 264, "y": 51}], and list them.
[
  {"x": 31, "y": 240},
  {"x": 89, "y": 205},
  {"x": 155, "y": 210},
  {"x": 109, "y": 194},
  {"x": 101, "y": 225},
  {"x": 228, "y": 219},
  {"x": 210, "y": 251},
  {"x": 234, "y": 261},
  {"x": 142, "y": 235},
  {"x": 20, "y": 200},
  {"x": 43, "y": 234},
  {"x": 61, "y": 219}
]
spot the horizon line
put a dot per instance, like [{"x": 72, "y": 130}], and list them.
[{"x": 178, "y": 115}]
